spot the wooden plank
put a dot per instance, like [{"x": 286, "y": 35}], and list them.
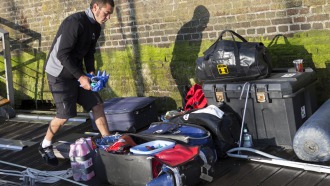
[
  {"x": 282, "y": 176},
  {"x": 256, "y": 176},
  {"x": 325, "y": 181},
  {"x": 234, "y": 170},
  {"x": 308, "y": 178}
]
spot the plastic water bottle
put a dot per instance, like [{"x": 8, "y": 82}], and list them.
[
  {"x": 80, "y": 165},
  {"x": 74, "y": 165},
  {"x": 247, "y": 139}
]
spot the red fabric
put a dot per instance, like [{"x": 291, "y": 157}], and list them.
[
  {"x": 156, "y": 167},
  {"x": 119, "y": 147},
  {"x": 179, "y": 154},
  {"x": 195, "y": 98}
]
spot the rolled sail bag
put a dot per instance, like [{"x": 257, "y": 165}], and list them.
[{"x": 312, "y": 140}]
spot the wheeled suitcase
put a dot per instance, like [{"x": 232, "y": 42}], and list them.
[
  {"x": 129, "y": 114},
  {"x": 276, "y": 107}
]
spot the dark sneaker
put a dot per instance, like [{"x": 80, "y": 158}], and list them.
[{"x": 48, "y": 155}]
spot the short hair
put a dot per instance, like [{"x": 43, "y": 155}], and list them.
[{"x": 102, "y": 3}]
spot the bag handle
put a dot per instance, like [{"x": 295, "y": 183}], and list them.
[
  {"x": 275, "y": 39},
  {"x": 213, "y": 46},
  {"x": 232, "y": 35}
]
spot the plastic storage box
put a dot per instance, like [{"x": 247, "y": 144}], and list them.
[
  {"x": 277, "y": 106},
  {"x": 155, "y": 146}
]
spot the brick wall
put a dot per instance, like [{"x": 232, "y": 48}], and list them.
[
  {"x": 156, "y": 22},
  {"x": 147, "y": 42}
]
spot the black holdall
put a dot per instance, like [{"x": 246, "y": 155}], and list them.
[{"x": 233, "y": 60}]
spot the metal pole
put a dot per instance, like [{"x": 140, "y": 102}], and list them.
[{"x": 8, "y": 69}]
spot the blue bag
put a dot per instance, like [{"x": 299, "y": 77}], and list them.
[{"x": 187, "y": 133}]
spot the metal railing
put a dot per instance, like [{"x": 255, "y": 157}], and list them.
[{"x": 4, "y": 38}]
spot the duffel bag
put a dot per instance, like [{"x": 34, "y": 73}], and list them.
[
  {"x": 233, "y": 60},
  {"x": 187, "y": 133},
  {"x": 223, "y": 126},
  {"x": 184, "y": 133}
]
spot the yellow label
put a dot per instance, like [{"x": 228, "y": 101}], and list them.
[{"x": 222, "y": 69}]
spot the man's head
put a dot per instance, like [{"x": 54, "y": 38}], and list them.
[{"x": 102, "y": 9}]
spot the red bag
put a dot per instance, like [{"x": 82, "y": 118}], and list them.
[
  {"x": 177, "y": 155},
  {"x": 121, "y": 146},
  {"x": 195, "y": 98}
]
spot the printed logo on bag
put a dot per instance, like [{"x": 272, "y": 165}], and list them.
[
  {"x": 222, "y": 69},
  {"x": 186, "y": 116}
]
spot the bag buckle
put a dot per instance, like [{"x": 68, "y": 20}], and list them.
[{"x": 205, "y": 175}]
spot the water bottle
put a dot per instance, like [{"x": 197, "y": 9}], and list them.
[
  {"x": 75, "y": 166},
  {"x": 247, "y": 139},
  {"x": 80, "y": 166}
]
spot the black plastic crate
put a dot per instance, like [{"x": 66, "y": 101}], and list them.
[{"x": 277, "y": 106}]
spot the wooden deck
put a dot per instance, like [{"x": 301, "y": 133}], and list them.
[{"x": 229, "y": 171}]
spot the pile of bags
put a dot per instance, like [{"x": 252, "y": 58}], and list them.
[{"x": 180, "y": 150}]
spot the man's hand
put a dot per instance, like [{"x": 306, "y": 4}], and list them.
[{"x": 85, "y": 82}]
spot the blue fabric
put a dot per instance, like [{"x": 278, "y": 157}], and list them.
[{"x": 99, "y": 81}]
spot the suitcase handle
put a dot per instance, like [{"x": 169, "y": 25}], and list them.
[{"x": 142, "y": 109}]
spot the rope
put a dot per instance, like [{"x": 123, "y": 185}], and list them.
[
  {"x": 47, "y": 176},
  {"x": 39, "y": 176}
]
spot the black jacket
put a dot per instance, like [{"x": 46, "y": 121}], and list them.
[{"x": 74, "y": 43}]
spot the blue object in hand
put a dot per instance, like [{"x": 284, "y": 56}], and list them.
[{"x": 99, "y": 81}]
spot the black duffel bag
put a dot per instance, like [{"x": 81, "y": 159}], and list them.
[{"x": 233, "y": 60}]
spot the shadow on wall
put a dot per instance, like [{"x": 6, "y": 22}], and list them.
[
  {"x": 323, "y": 88},
  {"x": 107, "y": 92},
  {"x": 23, "y": 67},
  {"x": 135, "y": 59},
  {"x": 283, "y": 53},
  {"x": 186, "y": 49}
]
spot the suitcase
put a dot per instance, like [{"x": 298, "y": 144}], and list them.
[
  {"x": 129, "y": 114},
  {"x": 277, "y": 106}
]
